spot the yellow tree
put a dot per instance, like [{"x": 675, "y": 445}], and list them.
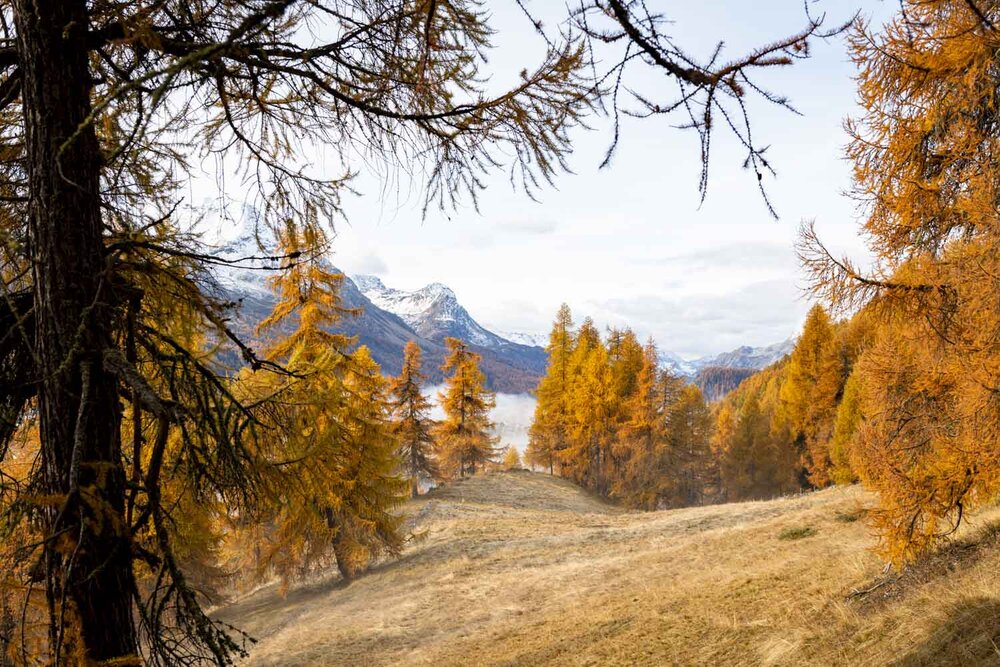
[
  {"x": 925, "y": 150},
  {"x": 331, "y": 438},
  {"x": 641, "y": 437},
  {"x": 590, "y": 404},
  {"x": 754, "y": 450},
  {"x": 689, "y": 431},
  {"x": 365, "y": 517},
  {"x": 465, "y": 436},
  {"x": 547, "y": 435},
  {"x": 511, "y": 459},
  {"x": 106, "y": 108},
  {"x": 809, "y": 394},
  {"x": 626, "y": 358},
  {"x": 413, "y": 424}
]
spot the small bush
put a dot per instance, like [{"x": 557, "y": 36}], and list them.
[
  {"x": 849, "y": 517},
  {"x": 796, "y": 533}
]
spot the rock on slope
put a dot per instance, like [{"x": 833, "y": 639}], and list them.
[{"x": 524, "y": 569}]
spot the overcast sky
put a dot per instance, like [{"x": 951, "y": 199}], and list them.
[{"x": 629, "y": 245}]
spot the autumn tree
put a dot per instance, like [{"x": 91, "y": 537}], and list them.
[
  {"x": 511, "y": 459},
  {"x": 465, "y": 437},
  {"x": 413, "y": 424},
  {"x": 925, "y": 148},
  {"x": 689, "y": 431},
  {"x": 640, "y": 441},
  {"x": 813, "y": 381},
  {"x": 591, "y": 409},
  {"x": 331, "y": 434},
  {"x": 753, "y": 447},
  {"x": 549, "y": 427},
  {"x": 368, "y": 491},
  {"x": 105, "y": 106}
]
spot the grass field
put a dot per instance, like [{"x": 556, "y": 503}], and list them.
[{"x": 524, "y": 569}]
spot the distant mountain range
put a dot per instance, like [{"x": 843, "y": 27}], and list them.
[
  {"x": 388, "y": 319},
  {"x": 513, "y": 362},
  {"x": 745, "y": 357}
]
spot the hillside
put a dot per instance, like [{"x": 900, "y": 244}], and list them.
[{"x": 524, "y": 569}]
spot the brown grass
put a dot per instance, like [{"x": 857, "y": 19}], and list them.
[{"x": 523, "y": 569}]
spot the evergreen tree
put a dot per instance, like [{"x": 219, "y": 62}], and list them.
[
  {"x": 464, "y": 437},
  {"x": 413, "y": 425}
]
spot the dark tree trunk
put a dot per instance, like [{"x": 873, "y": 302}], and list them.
[{"x": 79, "y": 414}]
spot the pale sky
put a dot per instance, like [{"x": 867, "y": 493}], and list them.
[{"x": 629, "y": 245}]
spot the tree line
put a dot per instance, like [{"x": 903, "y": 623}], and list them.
[{"x": 609, "y": 418}]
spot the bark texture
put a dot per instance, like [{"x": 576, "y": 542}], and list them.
[{"x": 87, "y": 558}]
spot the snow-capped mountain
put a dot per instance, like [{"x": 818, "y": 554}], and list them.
[
  {"x": 432, "y": 311},
  {"x": 524, "y": 338},
  {"x": 676, "y": 365},
  {"x": 387, "y": 320},
  {"x": 745, "y": 357},
  {"x": 754, "y": 358}
]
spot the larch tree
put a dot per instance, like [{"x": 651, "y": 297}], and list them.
[
  {"x": 591, "y": 409},
  {"x": 414, "y": 428},
  {"x": 925, "y": 148},
  {"x": 105, "y": 106},
  {"x": 329, "y": 432},
  {"x": 511, "y": 459},
  {"x": 465, "y": 436},
  {"x": 689, "y": 431},
  {"x": 105, "y": 110},
  {"x": 810, "y": 392},
  {"x": 641, "y": 441},
  {"x": 365, "y": 521},
  {"x": 547, "y": 434}
]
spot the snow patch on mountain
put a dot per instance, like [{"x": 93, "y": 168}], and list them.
[
  {"x": 524, "y": 337},
  {"x": 748, "y": 357},
  {"x": 433, "y": 311}
]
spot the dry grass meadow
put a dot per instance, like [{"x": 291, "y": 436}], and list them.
[{"x": 524, "y": 569}]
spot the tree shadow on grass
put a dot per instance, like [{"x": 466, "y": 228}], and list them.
[{"x": 970, "y": 636}]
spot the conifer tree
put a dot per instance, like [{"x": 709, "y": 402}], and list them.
[
  {"x": 626, "y": 358},
  {"x": 591, "y": 406},
  {"x": 511, "y": 459},
  {"x": 688, "y": 441},
  {"x": 331, "y": 434},
  {"x": 465, "y": 440},
  {"x": 548, "y": 431},
  {"x": 413, "y": 424},
  {"x": 925, "y": 149},
  {"x": 845, "y": 431},
  {"x": 106, "y": 108},
  {"x": 365, "y": 521},
  {"x": 813, "y": 383}
]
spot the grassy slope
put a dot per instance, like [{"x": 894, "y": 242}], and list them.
[{"x": 523, "y": 569}]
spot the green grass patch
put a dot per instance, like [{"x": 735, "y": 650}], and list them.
[
  {"x": 797, "y": 533},
  {"x": 850, "y": 517}
]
